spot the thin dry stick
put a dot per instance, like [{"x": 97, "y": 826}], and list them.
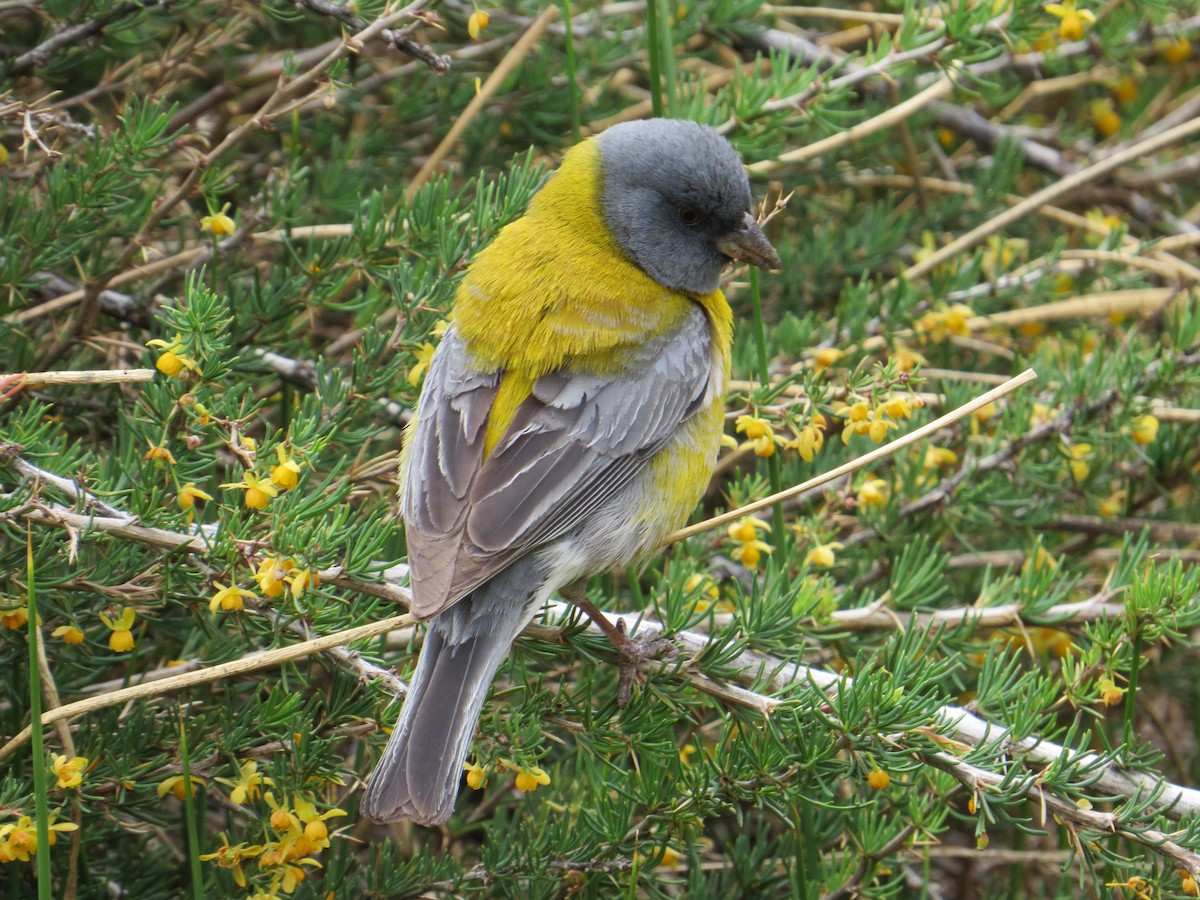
[
  {"x": 1049, "y": 194},
  {"x": 96, "y": 376},
  {"x": 893, "y": 116},
  {"x": 510, "y": 62},
  {"x": 267, "y": 659},
  {"x": 1140, "y": 301},
  {"x": 865, "y": 460}
]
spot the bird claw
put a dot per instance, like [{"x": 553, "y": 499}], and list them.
[{"x": 631, "y": 654}]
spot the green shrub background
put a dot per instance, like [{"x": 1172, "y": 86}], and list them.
[{"x": 248, "y": 184}]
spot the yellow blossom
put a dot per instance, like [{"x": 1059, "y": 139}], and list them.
[
  {"x": 174, "y": 785},
  {"x": 272, "y": 574},
  {"x": 218, "y": 224},
  {"x": 1104, "y": 117},
  {"x": 750, "y": 553},
  {"x": 19, "y": 841},
  {"x": 1125, "y": 91},
  {"x": 189, "y": 494},
  {"x": 1070, "y": 19},
  {"x": 70, "y": 634},
  {"x": 424, "y": 355},
  {"x": 530, "y": 778},
  {"x": 286, "y": 475},
  {"x": 121, "y": 639},
  {"x": 3, "y": 154},
  {"x": 1110, "y": 694},
  {"x": 1113, "y": 505},
  {"x": 14, "y": 618},
  {"x": 159, "y": 455},
  {"x": 476, "y": 776},
  {"x": 939, "y": 458},
  {"x": 1187, "y": 884},
  {"x": 810, "y": 440},
  {"x": 1138, "y": 885},
  {"x": 231, "y": 857},
  {"x": 477, "y": 21},
  {"x": 746, "y": 529},
  {"x": 316, "y": 832},
  {"x": 824, "y": 357},
  {"x": 1000, "y": 253},
  {"x": 69, "y": 772},
  {"x": 248, "y": 785},
  {"x": 1041, "y": 559},
  {"x": 878, "y": 779},
  {"x": 823, "y": 556},
  {"x": 302, "y": 580},
  {"x": 761, "y": 435},
  {"x": 943, "y": 321},
  {"x": 229, "y": 599},
  {"x": 259, "y": 491},
  {"x": 1174, "y": 51},
  {"x": 1077, "y": 456},
  {"x": 878, "y": 429},
  {"x": 908, "y": 358},
  {"x": 173, "y": 359},
  {"x": 874, "y": 492},
  {"x": 898, "y": 406},
  {"x": 1145, "y": 430}
]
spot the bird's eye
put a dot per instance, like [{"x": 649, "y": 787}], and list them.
[{"x": 688, "y": 216}]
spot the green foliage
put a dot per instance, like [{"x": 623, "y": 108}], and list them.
[{"x": 979, "y": 650}]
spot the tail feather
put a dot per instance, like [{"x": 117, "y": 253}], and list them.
[{"x": 419, "y": 773}]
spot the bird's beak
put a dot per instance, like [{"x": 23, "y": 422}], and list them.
[{"x": 748, "y": 244}]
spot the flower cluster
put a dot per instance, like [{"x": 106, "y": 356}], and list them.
[
  {"x": 19, "y": 840},
  {"x": 528, "y": 778},
  {"x": 259, "y": 490},
  {"x": 874, "y": 420},
  {"x": 942, "y": 321}
]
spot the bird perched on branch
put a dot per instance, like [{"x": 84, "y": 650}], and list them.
[{"x": 569, "y": 419}]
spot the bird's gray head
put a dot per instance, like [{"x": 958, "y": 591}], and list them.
[{"x": 676, "y": 198}]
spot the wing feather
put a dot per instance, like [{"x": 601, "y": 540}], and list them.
[{"x": 574, "y": 443}]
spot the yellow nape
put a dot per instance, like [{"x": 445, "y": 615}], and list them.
[{"x": 554, "y": 286}]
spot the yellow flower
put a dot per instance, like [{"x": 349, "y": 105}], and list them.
[
  {"x": 1077, "y": 460},
  {"x": 1000, "y": 253},
  {"x": 476, "y": 776},
  {"x": 316, "y": 832},
  {"x": 477, "y": 21},
  {"x": 878, "y": 429},
  {"x": 259, "y": 491},
  {"x": 823, "y": 556},
  {"x": 943, "y": 321},
  {"x": 159, "y": 455},
  {"x": 874, "y": 492},
  {"x": 286, "y": 475},
  {"x": 1125, "y": 91},
  {"x": 121, "y": 639},
  {"x": 69, "y": 772},
  {"x": 1174, "y": 51},
  {"x": 173, "y": 359},
  {"x": 218, "y": 224},
  {"x": 1071, "y": 20},
  {"x": 1187, "y": 884},
  {"x": 762, "y": 436},
  {"x": 3, "y": 154},
  {"x": 1145, "y": 430},
  {"x": 248, "y": 785},
  {"x": 898, "y": 407},
  {"x": 939, "y": 458},
  {"x": 1104, "y": 117},
  {"x": 824, "y": 357},
  {"x": 1113, "y": 506},
  {"x": 14, "y": 618},
  {"x": 750, "y": 553},
  {"x": 18, "y": 840},
  {"x": 746, "y": 529},
  {"x": 272, "y": 574},
  {"x": 878, "y": 779},
  {"x": 1109, "y": 692},
  {"x": 189, "y": 494},
  {"x": 174, "y": 785},
  {"x": 810, "y": 440},
  {"x": 303, "y": 579},
  {"x": 231, "y": 857},
  {"x": 1041, "y": 559},
  {"x": 229, "y": 599},
  {"x": 529, "y": 779},
  {"x": 70, "y": 634},
  {"x": 424, "y": 355}
]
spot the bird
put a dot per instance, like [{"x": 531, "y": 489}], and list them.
[{"x": 569, "y": 419}]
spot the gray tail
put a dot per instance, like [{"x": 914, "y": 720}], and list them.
[{"x": 419, "y": 773}]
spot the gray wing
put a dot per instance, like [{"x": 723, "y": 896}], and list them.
[{"x": 575, "y": 442}]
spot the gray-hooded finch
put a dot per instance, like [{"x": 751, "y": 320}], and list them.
[{"x": 569, "y": 419}]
